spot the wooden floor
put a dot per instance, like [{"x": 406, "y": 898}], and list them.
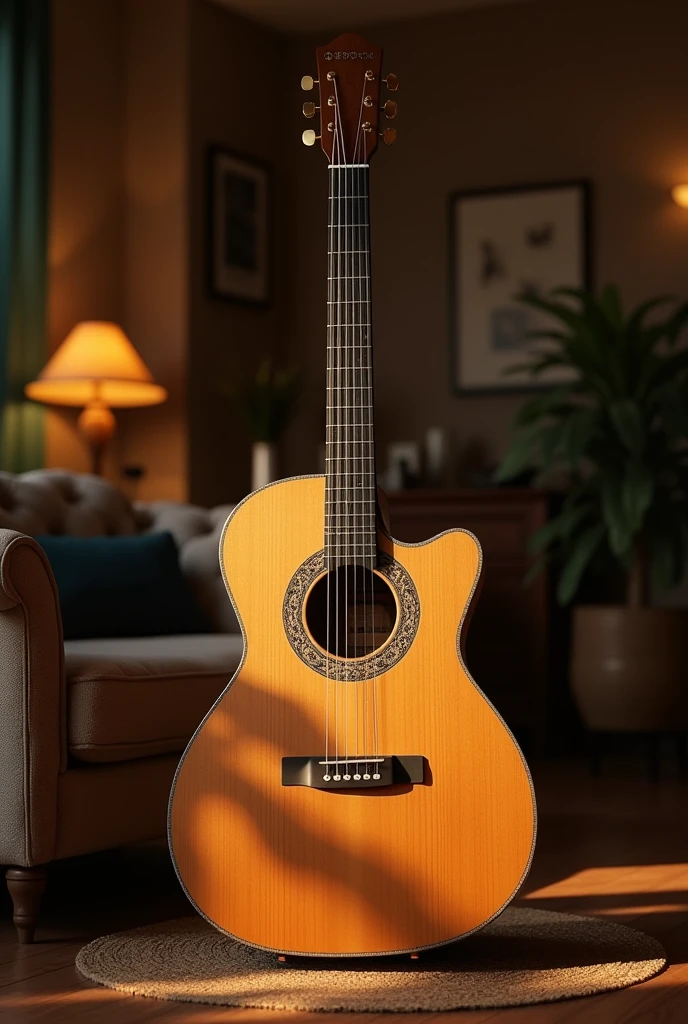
[{"x": 617, "y": 846}]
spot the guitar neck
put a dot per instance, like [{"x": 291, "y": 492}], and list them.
[{"x": 350, "y": 509}]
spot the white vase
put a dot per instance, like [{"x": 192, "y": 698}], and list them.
[{"x": 263, "y": 464}]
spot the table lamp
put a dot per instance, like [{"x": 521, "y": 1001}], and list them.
[{"x": 96, "y": 367}]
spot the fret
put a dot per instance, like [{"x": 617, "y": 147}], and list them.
[
  {"x": 349, "y": 548},
  {"x": 349, "y": 458},
  {"x": 354, "y": 410},
  {"x": 347, "y": 387},
  {"x": 357, "y": 487},
  {"x": 356, "y": 528},
  {"x": 334, "y": 441}
]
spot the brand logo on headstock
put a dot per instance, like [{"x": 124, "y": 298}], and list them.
[{"x": 348, "y": 55}]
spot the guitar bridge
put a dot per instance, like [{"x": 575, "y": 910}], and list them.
[{"x": 320, "y": 772}]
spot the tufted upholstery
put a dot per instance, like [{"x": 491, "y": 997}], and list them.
[
  {"x": 91, "y": 731},
  {"x": 59, "y": 502}
]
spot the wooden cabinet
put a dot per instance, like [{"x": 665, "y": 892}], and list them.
[{"x": 508, "y": 640}]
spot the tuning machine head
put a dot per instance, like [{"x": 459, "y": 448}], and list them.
[
  {"x": 309, "y": 137},
  {"x": 307, "y": 82},
  {"x": 389, "y": 136},
  {"x": 309, "y": 108},
  {"x": 392, "y": 82},
  {"x": 389, "y": 109}
]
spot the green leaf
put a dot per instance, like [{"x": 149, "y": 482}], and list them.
[
  {"x": 635, "y": 321},
  {"x": 578, "y": 561},
  {"x": 558, "y": 528},
  {"x": 610, "y": 303},
  {"x": 520, "y": 455},
  {"x": 628, "y": 423},
  {"x": 620, "y": 534},
  {"x": 578, "y": 432},
  {"x": 636, "y": 496},
  {"x": 553, "y": 402},
  {"x": 551, "y": 443}
]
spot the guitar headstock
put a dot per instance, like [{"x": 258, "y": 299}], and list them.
[{"x": 349, "y": 80}]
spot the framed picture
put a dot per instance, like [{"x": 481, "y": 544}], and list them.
[
  {"x": 504, "y": 242},
  {"x": 239, "y": 227}
]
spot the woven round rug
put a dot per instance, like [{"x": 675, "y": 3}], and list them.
[{"x": 525, "y": 956}]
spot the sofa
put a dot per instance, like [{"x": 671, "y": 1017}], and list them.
[{"x": 91, "y": 731}]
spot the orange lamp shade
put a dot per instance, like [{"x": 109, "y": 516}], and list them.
[
  {"x": 96, "y": 361},
  {"x": 679, "y": 194}
]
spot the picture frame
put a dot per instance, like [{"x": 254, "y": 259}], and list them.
[
  {"x": 503, "y": 241},
  {"x": 239, "y": 230}
]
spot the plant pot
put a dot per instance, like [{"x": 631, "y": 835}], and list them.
[
  {"x": 263, "y": 464},
  {"x": 629, "y": 668}
]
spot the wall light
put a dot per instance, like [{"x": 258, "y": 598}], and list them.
[{"x": 679, "y": 194}]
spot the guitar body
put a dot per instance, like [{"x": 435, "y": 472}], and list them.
[{"x": 351, "y": 871}]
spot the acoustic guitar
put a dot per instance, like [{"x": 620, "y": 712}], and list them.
[{"x": 352, "y": 792}]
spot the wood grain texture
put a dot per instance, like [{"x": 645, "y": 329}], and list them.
[{"x": 302, "y": 870}]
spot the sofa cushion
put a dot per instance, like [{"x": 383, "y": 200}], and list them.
[
  {"x": 122, "y": 586},
  {"x": 139, "y": 696}
]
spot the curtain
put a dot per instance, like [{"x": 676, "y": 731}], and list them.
[{"x": 24, "y": 142}]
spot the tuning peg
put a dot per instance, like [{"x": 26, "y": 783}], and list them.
[
  {"x": 309, "y": 137},
  {"x": 388, "y": 136},
  {"x": 392, "y": 82},
  {"x": 309, "y": 109},
  {"x": 307, "y": 82},
  {"x": 389, "y": 109}
]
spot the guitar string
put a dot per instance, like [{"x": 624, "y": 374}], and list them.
[
  {"x": 372, "y": 482},
  {"x": 328, "y": 449},
  {"x": 341, "y": 157},
  {"x": 356, "y": 473},
  {"x": 344, "y": 407},
  {"x": 358, "y": 158}
]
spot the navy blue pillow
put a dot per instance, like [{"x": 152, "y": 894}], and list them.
[{"x": 122, "y": 586}]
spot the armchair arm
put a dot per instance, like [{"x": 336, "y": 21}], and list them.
[{"x": 33, "y": 744}]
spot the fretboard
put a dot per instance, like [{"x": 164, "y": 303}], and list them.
[{"x": 350, "y": 506}]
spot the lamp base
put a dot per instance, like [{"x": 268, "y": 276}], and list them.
[{"x": 97, "y": 424}]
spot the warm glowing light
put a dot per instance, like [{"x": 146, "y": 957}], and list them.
[
  {"x": 96, "y": 361},
  {"x": 679, "y": 194}
]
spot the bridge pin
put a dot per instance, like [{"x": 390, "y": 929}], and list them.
[
  {"x": 346, "y": 778},
  {"x": 336, "y": 778},
  {"x": 376, "y": 775},
  {"x": 366, "y": 776},
  {"x": 357, "y": 777},
  {"x": 326, "y": 778}
]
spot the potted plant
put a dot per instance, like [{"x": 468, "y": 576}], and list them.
[
  {"x": 266, "y": 400},
  {"x": 617, "y": 430}
]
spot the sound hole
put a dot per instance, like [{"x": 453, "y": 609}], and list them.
[{"x": 361, "y": 612}]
